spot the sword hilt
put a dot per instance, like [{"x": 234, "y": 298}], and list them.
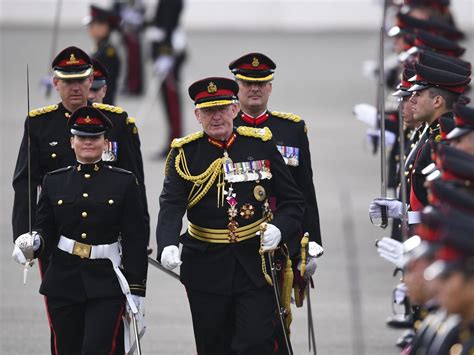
[
  {"x": 304, "y": 251},
  {"x": 384, "y": 223},
  {"x": 263, "y": 228}
]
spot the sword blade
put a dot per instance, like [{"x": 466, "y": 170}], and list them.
[
  {"x": 160, "y": 267},
  {"x": 137, "y": 336},
  {"x": 310, "y": 320},
  {"x": 278, "y": 302}
]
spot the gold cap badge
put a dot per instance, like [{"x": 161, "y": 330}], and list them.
[
  {"x": 255, "y": 62},
  {"x": 211, "y": 88},
  {"x": 72, "y": 59}
]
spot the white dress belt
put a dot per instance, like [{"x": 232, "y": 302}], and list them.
[{"x": 103, "y": 251}]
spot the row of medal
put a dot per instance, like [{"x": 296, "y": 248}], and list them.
[
  {"x": 290, "y": 154},
  {"x": 246, "y": 171},
  {"x": 111, "y": 153}
]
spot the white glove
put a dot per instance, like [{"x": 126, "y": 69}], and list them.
[
  {"x": 25, "y": 246},
  {"x": 163, "y": 64},
  {"x": 391, "y": 250},
  {"x": 170, "y": 257},
  {"x": 394, "y": 208},
  {"x": 140, "y": 303},
  {"x": 366, "y": 113},
  {"x": 310, "y": 269},
  {"x": 315, "y": 250},
  {"x": 271, "y": 238},
  {"x": 400, "y": 293},
  {"x": 132, "y": 17},
  {"x": 390, "y": 137}
]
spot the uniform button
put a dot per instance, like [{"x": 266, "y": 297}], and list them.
[
  {"x": 60, "y": 202},
  {"x": 84, "y": 214},
  {"x": 410, "y": 166},
  {"x": 83, "y": 235},
  {"x": 412, "y": 145},
  {"x": 85, "y": 195},
  {"x": 111, "y": 202},
  {"x": 87, "y": 176},
  {"x": 406, "y": 173},
  {"x": 53, "y": 155}
]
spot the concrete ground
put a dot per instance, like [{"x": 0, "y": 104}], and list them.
[{"x": 319, "y": 77}]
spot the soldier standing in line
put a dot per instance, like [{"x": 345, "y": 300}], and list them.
[{"x": 222, "y": 178}]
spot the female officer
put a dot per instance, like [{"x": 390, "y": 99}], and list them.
[{"x": 90, "y": 223}]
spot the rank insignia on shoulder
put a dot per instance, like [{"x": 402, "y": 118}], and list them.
[
  {"x": 263, "y": 133},
  {"x": 287, "y": 116},
  {"x": 106, "y": 107},
  {"x": 42, "y": 110},
  {"x": 290, "y": 155},
  {"x": 179, "y": 142}
]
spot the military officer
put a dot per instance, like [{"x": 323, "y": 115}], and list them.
[
  {"x": 90, "y": 222},
  {"x": 222, "y": 178},
  {"x": 99, "y": 84},
  {"x": 254, "y": 74},
  {"x": 462, "y": 136},
  {"x": 101, "y": 23},
  {"x": 50, "y": 148}
]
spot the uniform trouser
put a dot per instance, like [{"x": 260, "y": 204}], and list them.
[
  {"x": 237, "y": 324},
  {"x": 92, "y": 327}
]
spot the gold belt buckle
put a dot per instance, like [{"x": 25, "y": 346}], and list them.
[{"x": 82, "y": 250}]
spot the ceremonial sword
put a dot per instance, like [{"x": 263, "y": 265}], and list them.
[{"x": 160, "y": 267}]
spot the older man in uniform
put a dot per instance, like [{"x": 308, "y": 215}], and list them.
[{"x": 222, "y": 178}]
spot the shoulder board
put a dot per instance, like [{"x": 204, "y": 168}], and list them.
[
  {"x": 60, "y": 170},
  {"x": 263, "y": 133},
  {"x": 287, "y": 116},
  {"x": 179, "y": 142},
  {"x": 119, "y": 170},
  {"x": 109, "y": 108},
  {"x": 130, "y": 120},
  {"x": 42, "y": 110}
]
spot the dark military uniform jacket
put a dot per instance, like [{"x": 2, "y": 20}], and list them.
[
  {"x": 211, "y": 267},
  {"x": 423, "y": 158},
  {"x": 51, "y": 149},
  {"x": 289, "y": 133},
  {"x": 93, "y": 204},
  {"x": 108, "y": 56}
]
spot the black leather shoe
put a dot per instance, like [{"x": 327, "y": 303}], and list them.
[{"x": 400, "y": 321}]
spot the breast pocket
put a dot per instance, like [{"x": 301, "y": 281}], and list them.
[
  {"x": 55, "y": 155},
  {"x": 63, "y": 206},
  {"x": 110, "y": 208}
]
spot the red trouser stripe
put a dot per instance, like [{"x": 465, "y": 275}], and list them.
[{"x": 117, "y": 328}]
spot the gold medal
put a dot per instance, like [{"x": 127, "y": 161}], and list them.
[
  {"x": 259, "y": 193},
  {"x": 247, "y": 211}
]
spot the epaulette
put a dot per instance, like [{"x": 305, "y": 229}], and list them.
[
  {"x": 179, "y": 142},
  {"x": 130, "y": 120},
  {"x": 263, "y": 133},
  {"x": 119, "y": 170},
  {"x": 287, "y": 116},
  {"x": 59, "y": 170},
  {"x": 106, "y": 107},
  {"x": 42, "y": 110}
]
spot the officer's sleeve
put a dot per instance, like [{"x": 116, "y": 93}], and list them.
[
  {"x": 173, "y": 203},
  {"x": 45, "y": 224},
  {"x": 130, "y": 158},
  {"x": 167, "y": 19},
  {"x": 20, "y": 215},
  {"x": 418, "y": 179},
  {"x": 304, "y": 179},
  {"x": 134, "y": 239},
  {"x": 290, "y": 201}
]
